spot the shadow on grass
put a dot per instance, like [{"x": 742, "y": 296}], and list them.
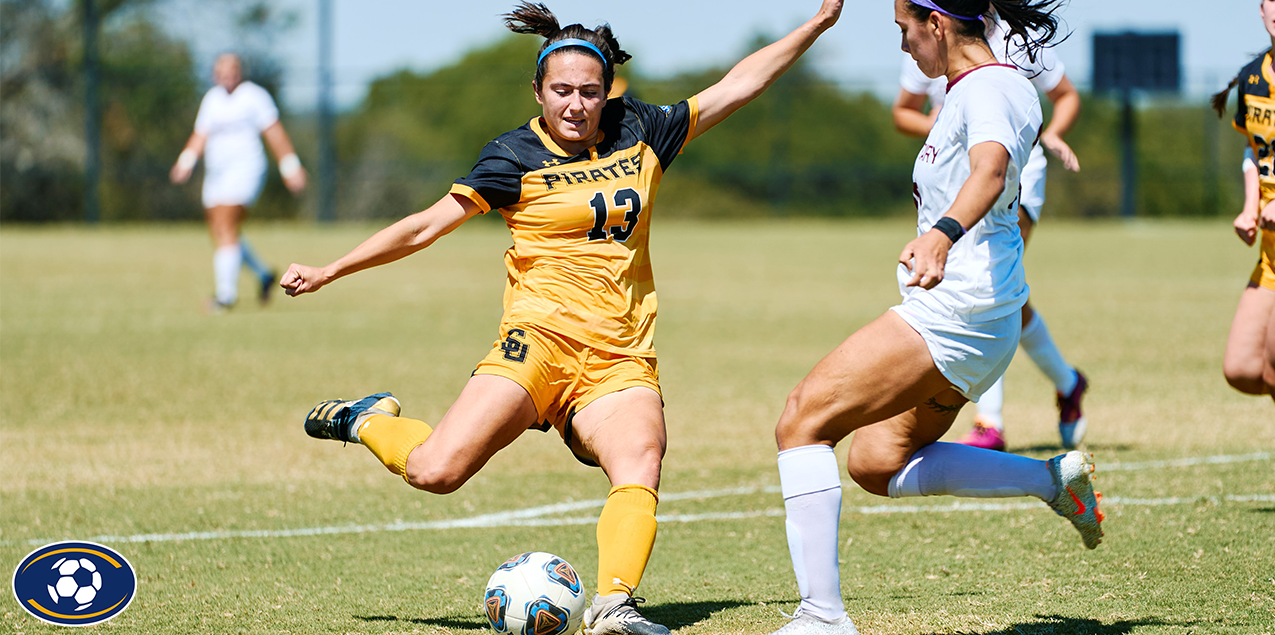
[
  {"x": 454, "y": 622},
  {"x": 913, "y": 596},
  {"x": 673, "y": 615},
  {"x": 1263, "y": 510},
  {"x": 678, "y": 614},
  {"x": 1060, "y": 625},
  {"x": 1057, "y": 447}
]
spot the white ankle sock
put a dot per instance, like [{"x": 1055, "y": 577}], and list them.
[
  {"x": 960, "y": 470},
  {"x": 1041, "y": 348},
  {"x": 811, "y": 484},
  {"x": 226, "y": 263},
  {"x": 990, "y": 404}
]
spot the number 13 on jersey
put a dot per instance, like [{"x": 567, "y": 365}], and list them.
[{"x": 627, "y": 200}]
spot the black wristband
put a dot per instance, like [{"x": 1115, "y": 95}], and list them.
[{"x": 950, "y": 228}]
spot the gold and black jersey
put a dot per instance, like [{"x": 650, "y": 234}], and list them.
[
  {"x": 580, "y": 264},
  {"x": 1255, "y": 119}
]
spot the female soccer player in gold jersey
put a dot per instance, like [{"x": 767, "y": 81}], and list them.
[
  {"x": 575, "y": 350},
  {"x": 1249, "y": 364}
]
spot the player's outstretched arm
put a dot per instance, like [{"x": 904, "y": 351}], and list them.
[
  {"x": 186, "y": 161},
  {"x": 399, "y": 240},
  {"x": 750, "y": 77},
  {"x": 926, "y": 256},
  {"x": 1066, "y": 100}
]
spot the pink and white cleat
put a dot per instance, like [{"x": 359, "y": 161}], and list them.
[
  {"x": 1071, "y": 421},
  {"x": 984, "y": 436}
]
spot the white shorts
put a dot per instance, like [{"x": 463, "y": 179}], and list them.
[
  {"x": 1032, "y": 182},
  {"x": 239, "y": 185},
  {"x": 971, "y": 356}
]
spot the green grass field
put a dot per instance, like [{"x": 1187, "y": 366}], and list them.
[{"x": 126, "y": 412}]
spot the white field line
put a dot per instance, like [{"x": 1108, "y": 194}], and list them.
[
  {"x": 1184, "y": 462},
  {"x": 521, "y": 520},
  {"x": 535, "y": 516},
  {"x": 530, "y": 516}
]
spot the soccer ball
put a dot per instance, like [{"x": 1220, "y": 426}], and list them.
[
  {"x": 534, "y": 593},
  {"x": 80, "y": 582}
]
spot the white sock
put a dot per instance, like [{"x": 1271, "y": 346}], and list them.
[
  {"x": 960, "y": 470},
  {"x": 1041, "y": 348},
  {"x": 251, "y": 261},
  {"x": 811, "y": 484},
  {"x": 226, "y": 263},
  {"x": 990, "y": 404}
]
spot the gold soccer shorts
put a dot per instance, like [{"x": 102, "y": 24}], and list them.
[{"x": 562, "y": 375}]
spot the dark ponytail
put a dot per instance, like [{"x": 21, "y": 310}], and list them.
[
  {"x": 1031, "y": 22},
  {"x": 536, "y": 19},
  {"x": 1218, "y": 100},
  {"x": 532, "y": 19}
]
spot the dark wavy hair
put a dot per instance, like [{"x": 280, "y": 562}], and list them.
[
  {"x": 1031, "y": 21},
  {"x": 537, "y": 19}
]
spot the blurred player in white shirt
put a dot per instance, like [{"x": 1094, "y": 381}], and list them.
[
  {"x": 1048, "y": 75},
  {"x": 233, "y": 117}
]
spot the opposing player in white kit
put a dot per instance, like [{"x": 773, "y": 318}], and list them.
[
  {"x": 899, "y": 382},
  {"x": 233, "y": 117},
  {"x": 1047, "y": 74}
]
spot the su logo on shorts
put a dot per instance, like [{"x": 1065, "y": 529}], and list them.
[
  {"x": 74, "y": 583},
  {"x": 513, "y": 346}
]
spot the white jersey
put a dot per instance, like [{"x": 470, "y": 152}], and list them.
[
  {"x": 984, "y": 277},
  {"x": 1045, "y": 74},
  {"x": 233, "y": 123}
]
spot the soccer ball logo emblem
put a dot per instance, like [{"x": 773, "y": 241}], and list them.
[
  {"x": 534, "y": 593},
  {"x": 80, "y": 582},
  {"x": 74, "y": 583}
]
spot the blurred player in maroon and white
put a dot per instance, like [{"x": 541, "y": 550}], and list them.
[
  {"x": 233, "y": 117},
  {"x": 1047, "y": 74}
]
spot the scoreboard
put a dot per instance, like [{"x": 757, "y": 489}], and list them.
[{"x": 1137, "y": 61}]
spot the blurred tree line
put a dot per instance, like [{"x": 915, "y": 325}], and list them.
[{"x": 806, "y": 147}]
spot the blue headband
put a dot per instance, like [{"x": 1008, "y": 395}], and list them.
[
  {"x": 572, "y": 42},
  {"x": 929, "y": 4}
]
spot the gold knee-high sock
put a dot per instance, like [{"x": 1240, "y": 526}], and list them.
[
  {"x": 626, "y": 533},
  {"x": 391, "y": 439}
]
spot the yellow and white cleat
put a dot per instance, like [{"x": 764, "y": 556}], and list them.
[{"x": 335, "y": 419}]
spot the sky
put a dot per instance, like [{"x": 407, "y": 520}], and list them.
[{"x": 375, "y": 37}]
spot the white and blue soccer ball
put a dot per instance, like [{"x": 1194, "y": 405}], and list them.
[
  {"x": 534, "y": 593},
  {"x": 78, "y": 583}
]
